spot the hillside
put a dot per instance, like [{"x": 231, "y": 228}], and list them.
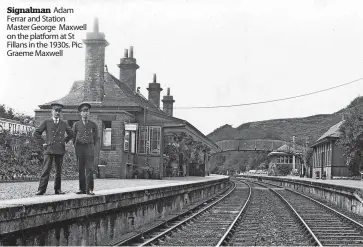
[{"x": 279, "y": 129}]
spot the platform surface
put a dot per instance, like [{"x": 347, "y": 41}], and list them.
[
  {"x": 343, "y": 182},
  {"x": 21, "y": 193}
]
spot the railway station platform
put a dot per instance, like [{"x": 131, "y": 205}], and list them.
[
  {"x": 119, "y": 206},
  {"x": 345, "y": 194},
  {"x": 358, "y": 184}
]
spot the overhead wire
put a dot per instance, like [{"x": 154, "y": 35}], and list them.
[{"x": 269, "y": 101}]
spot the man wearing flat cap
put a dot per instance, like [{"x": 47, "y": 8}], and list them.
[
  {"x": 54, "y": 147},
  {"x": 85, "y": 139}
]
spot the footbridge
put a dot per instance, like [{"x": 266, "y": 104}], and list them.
[{"x": 253, "y": 145}]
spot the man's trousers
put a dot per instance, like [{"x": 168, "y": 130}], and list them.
[
  {"x": 85, "y": 159},
  {"x": 47, "y": 167}
]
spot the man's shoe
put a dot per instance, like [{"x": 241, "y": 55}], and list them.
[
  {"x": 39, "y": 193},
  {"x": 59, "y": 192},
  {"x": 81, "y": 192},
  {"x": 90, "y": 192}
]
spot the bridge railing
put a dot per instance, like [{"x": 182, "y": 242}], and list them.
[{"x": 252, "y": 144}]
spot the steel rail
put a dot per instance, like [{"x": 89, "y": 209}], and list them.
[
  {"x": 187, "y": 219},
  {"x": 350, "y": 220},
  {"x": 322, "y": 204},
  {"x": 326, "y": 206},
  {"x": 292, "y": 209},
  {"x": 224, "y": 237},
  {"x": 300, "y": 218}
]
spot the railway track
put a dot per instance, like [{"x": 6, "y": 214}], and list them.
[
  {"x": 266, "y": 221},
  {"x": 257, "y": 214},
  {"x": 330, "y": 227},
  {"x": 325, "y": 225},
  {"x": 204, "y": 227}
]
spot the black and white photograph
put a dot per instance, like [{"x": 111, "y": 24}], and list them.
[{"x": 181, "y": 123}]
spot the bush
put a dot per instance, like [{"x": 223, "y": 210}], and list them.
[
  {"x": 283, "y": 169},
  {"x": 22, "y": 159}
]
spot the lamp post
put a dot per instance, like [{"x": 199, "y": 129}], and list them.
[
  {"x": 293, "y": 156},
  {"x": 204, "y": 158}
]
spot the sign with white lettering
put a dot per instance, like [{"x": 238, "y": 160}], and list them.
[{"x": 131, "y": 126}]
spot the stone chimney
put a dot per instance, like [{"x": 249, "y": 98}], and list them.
[
  {"x": 154, "y": 92},
  {"x": 95, "y": 62},
  {"x": 168, "y": 102},
  {"x": 128, "y": 69}
]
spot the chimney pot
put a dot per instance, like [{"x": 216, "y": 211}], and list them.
[
  {"x": 131, "y": 52},
  {"x": 95, "y": 25},
  {"x": 168, "y": 102},
  {"x": 128, "y": 67}
]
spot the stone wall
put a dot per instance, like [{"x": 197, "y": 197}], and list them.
[
  {"x": 97, "y": 220},
  {"x": 348, "y": 198}
]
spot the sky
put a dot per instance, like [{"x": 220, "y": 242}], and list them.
[{"x": 209, "y": 53}]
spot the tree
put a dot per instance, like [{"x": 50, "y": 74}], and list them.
[
  {"x": 351, "y": 139},
  {"x": 2, "y": 111},
  {"x": 9, "y": 113}
]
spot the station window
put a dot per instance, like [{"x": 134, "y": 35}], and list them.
[
  {"x": 143, "y": 137},
  {"x": 130, "y": 141},
  {"x": 154, "y": 139},
  {"x": 106, "y": 133},
  {"x": 149, "y": 139}
]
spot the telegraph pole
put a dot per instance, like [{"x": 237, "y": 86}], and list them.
[
  {"x": 293, "y": 156},
  {"x": 305, "y": 155}
]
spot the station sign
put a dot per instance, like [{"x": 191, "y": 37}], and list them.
[{"x": 131, "y": 126}]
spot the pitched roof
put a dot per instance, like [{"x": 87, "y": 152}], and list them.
[
  {"x": 137, "y": 98},
  {"x": 286, "y": 150},
  {"x": 74, "y": 97},
  {"x": 332, "y": 132},
  {"x": 116, "y": 94}
]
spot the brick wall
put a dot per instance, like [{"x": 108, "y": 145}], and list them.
[{"x": 114, "y": 157}]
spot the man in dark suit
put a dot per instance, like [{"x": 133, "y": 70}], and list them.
[
  {"x": 85, "y": 139},
  {"x": 54, "y": 147}
]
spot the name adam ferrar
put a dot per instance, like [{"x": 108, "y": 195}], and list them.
[{"x": 31, "y": 10}]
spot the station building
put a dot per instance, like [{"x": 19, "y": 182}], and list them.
[
  {"x": 133, "y": 129},
  {"x": 16, "y": 127},
  {"x": 328, "y": 161},
  {"x": 285, "y": 156}
]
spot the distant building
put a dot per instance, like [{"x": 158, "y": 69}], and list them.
[
  {"x": 285, "y": 156},
  {"x": 16, "y": 127},
  {"x": 328, "y": 161},
  {"x": 132, "y": 129}
]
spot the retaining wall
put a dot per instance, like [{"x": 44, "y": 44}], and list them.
[
  {"x": 94, "y": 220},
  {"x": 348, "y": 198}
]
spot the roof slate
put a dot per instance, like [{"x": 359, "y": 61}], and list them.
[
  {"x": 138, "y": 98},
  {"x": 116, "y": 94},
  {"x": 332, "y": 132},
  {"x": 287, "y": 148},
  {"x": 74, "y": 97}
]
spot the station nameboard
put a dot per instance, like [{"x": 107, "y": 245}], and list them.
[{"x": 131, "y": 126}]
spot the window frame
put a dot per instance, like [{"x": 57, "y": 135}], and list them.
[
  {"x": 131, "y": 144},
  {"x": 157, "y": 140},
  {"x": 109, "y": 130},
  {"x": 142, "y": 143}
]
